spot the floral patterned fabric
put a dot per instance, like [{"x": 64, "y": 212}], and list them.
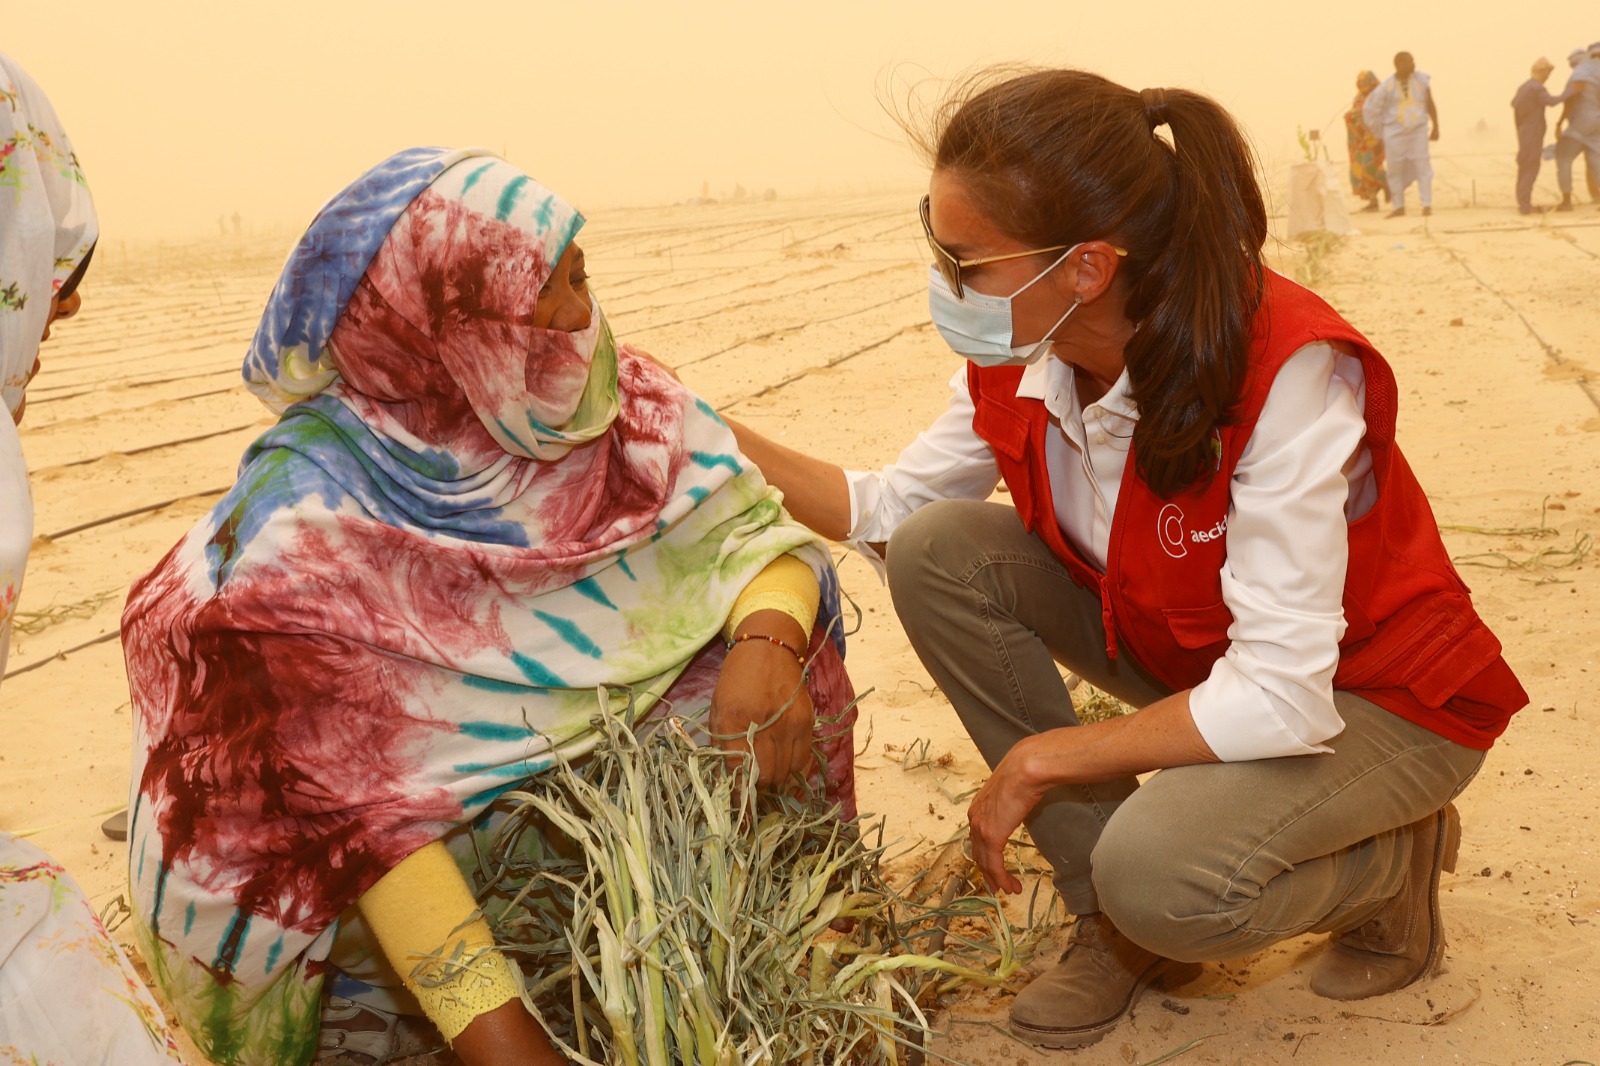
[
  {"x": 68, "y": 996},
  {"x": 47, "y": 226},
  {"x": 1367, "y": 176},
  {"x": 16, "y": 529},
  {"x": 462, "y": 526},
  {"x": 67, "y": 993},
  {"x": 46, "y": 216}
]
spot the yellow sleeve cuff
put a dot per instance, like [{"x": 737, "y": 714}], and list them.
[
  {"x": 787, "y": 585},
  {"x": 466, "y": 990},
  {"x": 426, "y": 921}
]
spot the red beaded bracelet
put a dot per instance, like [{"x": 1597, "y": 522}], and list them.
[{"x": 801, "y": 659}]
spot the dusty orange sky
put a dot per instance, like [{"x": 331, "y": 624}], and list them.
[{"x": 185, "y": 110}]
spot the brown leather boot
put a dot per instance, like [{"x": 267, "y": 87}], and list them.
[
  {"x": 1098, "y": 980},
  {"x": 1404, "y": 941}
]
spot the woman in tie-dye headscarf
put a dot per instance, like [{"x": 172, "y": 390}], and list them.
[{"x": 476, "y": 511}]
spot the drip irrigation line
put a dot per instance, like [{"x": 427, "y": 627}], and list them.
[
  {"x": 135, "y": 512},
  {"x": 155, "y": 447},
  {"x": 621, "y": 313},
  {"x": 1527, "y": 227},
  {"x": 777, "y": 330},
  {"x": 634, "y": 331},
  {"x": 915, "y": 327},
  {"x": 96, "y": 387},
  {"x": 53, "y": 656},
  {"x": 1554, "y": 356},
  {"x": 1574, "y": 242}
]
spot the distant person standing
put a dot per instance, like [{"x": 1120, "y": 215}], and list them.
[
  {"x": 1578, "y": 128},
  {"x": 1367, "y": 178},
  {"x": 1528, "y": 107},
  {"x": 1401, "y": 111},
  {"x": 1579, "y": 55}
]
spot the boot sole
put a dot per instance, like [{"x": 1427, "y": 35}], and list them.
[
  {"x": 1164, "y": 974},
  {"x": 1446, "y": 850}
]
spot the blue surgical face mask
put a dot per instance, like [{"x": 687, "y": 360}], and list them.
[{"x": 979, "y": 326}]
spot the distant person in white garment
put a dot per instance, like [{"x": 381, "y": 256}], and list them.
[
  {"x": 1580, "y": 55},
  {"x": 1578, "y": 129},
  {"x": 1402, "y": 111}
]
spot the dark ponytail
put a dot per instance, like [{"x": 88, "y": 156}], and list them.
[{"x": 1057, "y": 157}]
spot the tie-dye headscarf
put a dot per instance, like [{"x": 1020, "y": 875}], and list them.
[
  {"x": 461, "y": 527},
  {"x": 47, "y": 226}
]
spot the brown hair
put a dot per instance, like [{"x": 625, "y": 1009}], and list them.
[{"x": 1055, "y": 157}]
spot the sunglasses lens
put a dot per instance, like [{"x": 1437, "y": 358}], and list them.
[
  {"x": 951, "y": 272},
  {"x": 942, "y": 259}
]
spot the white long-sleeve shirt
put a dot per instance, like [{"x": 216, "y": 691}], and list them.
[{"x": 1303, "y": 475}]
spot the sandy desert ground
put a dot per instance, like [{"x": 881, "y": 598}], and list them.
[{"x": 807, "y": 318}]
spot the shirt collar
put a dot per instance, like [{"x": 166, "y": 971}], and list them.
[
  {"x": 1035, "y": 381},
  {"x": 1050, "y": 380}
]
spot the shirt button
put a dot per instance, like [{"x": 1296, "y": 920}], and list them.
[{"x": 1099, "y": 438}]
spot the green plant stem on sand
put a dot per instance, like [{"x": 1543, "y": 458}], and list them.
[
  {"x": 1541, "y": 563},
  {"x": 1312, "y": 267},
  {"x": 1184, "y": 1050},
  {"x": 1543, "y": 529},
  {"x": 1093, "y": 705},
  {"x": 665, "y": 911},
  {"x": 36, "y": 622}
]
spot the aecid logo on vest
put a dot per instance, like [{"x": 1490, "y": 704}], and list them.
[{"x": 1175, "y": 540}]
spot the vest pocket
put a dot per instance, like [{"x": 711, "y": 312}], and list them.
[
  {"x": 1198, "y": 627},
  {"x": 1432, "y": 647},
  {"x": 1004, "y": 429}
]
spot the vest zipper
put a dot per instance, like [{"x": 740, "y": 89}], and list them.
[{"x": 1106, "y": 619}]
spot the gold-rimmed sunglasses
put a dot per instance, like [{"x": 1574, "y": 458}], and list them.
[{"x": 950, "y": 266}]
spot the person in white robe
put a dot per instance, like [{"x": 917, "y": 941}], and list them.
[{"x": 1402, "y": 111}]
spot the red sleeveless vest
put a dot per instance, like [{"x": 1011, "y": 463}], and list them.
[{"x": 1413, "y": 643}]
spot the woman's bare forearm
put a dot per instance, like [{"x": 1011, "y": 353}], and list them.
[
  {"x": 506, "y": 1036},
  {"x": 815, "y": 492},
  {"x": 1161, "y": 735}
]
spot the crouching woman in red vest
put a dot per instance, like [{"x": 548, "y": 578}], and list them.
[{"x": 1211, "y": 521}]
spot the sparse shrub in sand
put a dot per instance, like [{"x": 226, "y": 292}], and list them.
[{"x": 1311, "y": 268}]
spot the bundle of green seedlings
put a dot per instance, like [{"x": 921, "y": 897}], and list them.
[{"x": 665, "y": 911}]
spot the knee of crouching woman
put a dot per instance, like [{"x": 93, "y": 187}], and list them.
[
  {"x": 925, "y": 551},
  {"x": 1143, "y": 889}
]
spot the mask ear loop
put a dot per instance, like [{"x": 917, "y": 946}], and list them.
[
  {"x": 1036, "y": 348},
  {"x": 1077, "y": 301},
  {"x": 1040, "y": 276}
]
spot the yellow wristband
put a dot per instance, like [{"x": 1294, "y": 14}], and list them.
[{"x": 787, "y": 585}]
